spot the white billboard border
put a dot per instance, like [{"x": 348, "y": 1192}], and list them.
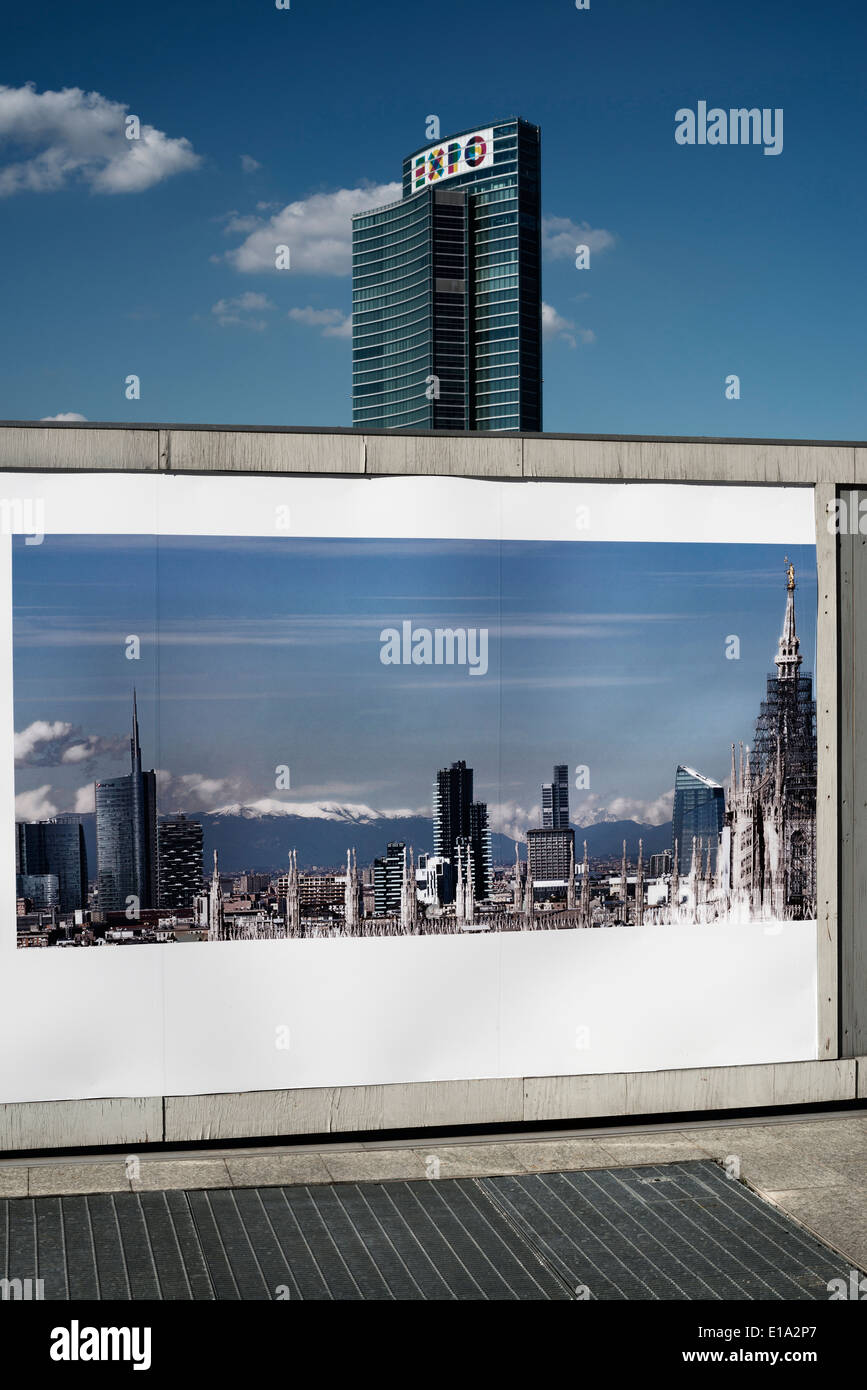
[{"x": 711, "y": 519}]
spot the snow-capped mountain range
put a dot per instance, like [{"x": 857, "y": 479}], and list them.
[{"x": 258, "y": 837}]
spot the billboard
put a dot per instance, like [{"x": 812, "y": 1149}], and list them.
[
  {"x": 464, "y": 154},
  {"x": 430, "y": 779}
]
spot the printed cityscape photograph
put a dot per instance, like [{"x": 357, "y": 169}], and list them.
[{"x": 364, "y": 738}]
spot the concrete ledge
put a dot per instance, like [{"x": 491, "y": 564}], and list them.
[
  {"x": 193, "y": 449},
  {"x": 475, "y": 456},
  {"x": 80, "y": 449},
  {"x": 212, "y": 451},
  {"x": 347, "y": 1109},
  {"x": 678, "y": 1092},
  {"x": 676, "y": 462},
  {"x": 425, "y": 1105},
  {"x": 73, "y": 1124},
  {"x": 574, "y": 1097}
]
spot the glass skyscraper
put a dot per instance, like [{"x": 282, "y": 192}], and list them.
[
  {"x": 54, "y": 848},
  {"x": 446, "y": 289},
  {"x": 555, "y": 800},
  {"x": 126, "y": 834},
  {"x": 699, "y": 812},
  {"x": 42, "y": 890}
]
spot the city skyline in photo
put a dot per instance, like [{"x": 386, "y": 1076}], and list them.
[{"x": 259, "y": 655}]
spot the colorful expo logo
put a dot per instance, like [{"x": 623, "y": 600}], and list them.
[{"x": 454, "y": 157}]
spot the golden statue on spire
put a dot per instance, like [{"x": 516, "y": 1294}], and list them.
[{"x": 790, "y": 573}]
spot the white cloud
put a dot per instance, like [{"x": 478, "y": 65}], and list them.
[
  {"x": 35, "y": 805},
  {"x": 333, "y": 322},
  {"x": 235, "y": 223},
  {"x": 192, "y": 791},
  {"x": 249, "y": 164},
  {"x": 240, "y": 311},
  {"x": 592, "y": 809},
  {"x": 85, "y": 799},
  {"x": 555, "y": 326},
  {"x": 317, "y": 230},
  {"x": 68, "y": 415},
  {"x": 560, "y": 236},
  {"x": 77, "y": 134},
  {"x": 50, "y": 744},
  {"x": 350, "y": 812},
  {"x": 508, "y": 818}
]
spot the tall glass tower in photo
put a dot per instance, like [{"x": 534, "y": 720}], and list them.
[
  {"x": 555, "y": 800},
  {"x": 126, "y": 834},
  {"x": 447, "y": 289},
  {"x": 698, "y": 814}
]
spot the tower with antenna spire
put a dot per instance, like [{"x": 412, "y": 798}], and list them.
[{"x": 126, "y": 834}]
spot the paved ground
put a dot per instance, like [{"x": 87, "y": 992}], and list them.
[
  {"x": 204, "y": 1224},
  {"x": 677, "y": 1231}
]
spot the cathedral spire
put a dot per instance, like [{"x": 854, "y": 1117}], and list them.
[
  {"x": 788, "y": 657},
  {"x": 674, "y": 884},
  {"x": 470, "y": 894},
  {"x": 216, "y": 925},
  {"x": 529, "y": 891}
]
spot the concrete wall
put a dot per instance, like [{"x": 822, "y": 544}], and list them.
[{"x": 841, "y": 690}]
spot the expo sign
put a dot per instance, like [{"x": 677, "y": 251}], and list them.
[{"x": 459, "y": 156}]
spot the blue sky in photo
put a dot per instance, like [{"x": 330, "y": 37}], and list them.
[
  {"x": 257, "y": 653},
  {"x": 708, "y": 261}
]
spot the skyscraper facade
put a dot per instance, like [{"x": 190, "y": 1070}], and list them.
[
  {"x": 555, "y": 800},
  {"x": 660, "y": 864},
  {"x": 446, "y": 289},
  {"x": 388, "y": 879},
  {"x": 179, "y": 844},
  {"x": 40, "y": 890},
  {"x": 551, "y": 853},
  {"x": 699, "y": 812},
  {"x": 452, "y": 799},
  {"x": 458, "y": 818},
  {"x": 126, "y": 834},
  {"x": 480, "y": 840},
  {"x": 55, "y": 847}
]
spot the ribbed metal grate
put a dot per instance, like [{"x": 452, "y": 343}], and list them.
[{"x": 682, "y": 1231}]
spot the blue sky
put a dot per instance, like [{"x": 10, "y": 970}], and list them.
[
  {"x": 707, "y": 261},
  {"x": 257, "y": 653}
]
